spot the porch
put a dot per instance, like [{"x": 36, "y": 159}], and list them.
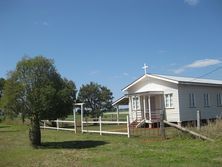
[{"x": 145, "y": 107}]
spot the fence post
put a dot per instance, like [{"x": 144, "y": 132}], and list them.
[
  {"x": 128, "y": 126},
  {"x": 100, "y": 125},
  {"x": 57, "y": 124},
  {"x": 74, "y": 120},
  {"x": 117, "y": 109},
  {"x": 162, "y": 128},
  {"x": 82, "y": 118},
  {"x": 44, "y": 124},
  {"x": 198, "y": 119}
]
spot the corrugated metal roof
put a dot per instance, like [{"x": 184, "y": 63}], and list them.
[
  {"x": 179, "y": 80},
  {"x": 192, "y": 80},
  {"x": 124, "y": 100}
]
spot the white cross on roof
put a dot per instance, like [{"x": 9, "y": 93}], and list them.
[{"x": 145, "y": 67}]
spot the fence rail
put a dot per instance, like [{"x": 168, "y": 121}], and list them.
[
  {"x": 101, "y": 122},
  {"x": 57, "y": 125},
  {"x": 105, "y": 122}
]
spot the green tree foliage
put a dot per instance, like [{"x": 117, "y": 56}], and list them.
[
  {"x": 36, "y": 90},
  {"x": 97, "y": 98},
  {"x": 9, "y": 99}
]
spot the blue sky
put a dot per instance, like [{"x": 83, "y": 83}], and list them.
[{"x": 108, "y": 41}]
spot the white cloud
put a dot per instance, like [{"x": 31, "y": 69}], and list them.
[
  {"x": 191, "y": 2},
  {"x": 179, "y": 70},
  {"x": 126, "y": 74},
  {"x": 203, "y": 63},
  {"x": 198, "y": 64}
]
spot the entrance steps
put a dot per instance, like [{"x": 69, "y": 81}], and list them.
[{"x": 138, "y": 123}]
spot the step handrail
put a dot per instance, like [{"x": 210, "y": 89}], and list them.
[{"x": 140, "y": 123}]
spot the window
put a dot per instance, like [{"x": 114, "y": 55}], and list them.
[
  {"x": 192, "y": 100},
  {"x": 219, "y": 99},
  {"x": 169, "y": 100},
  {"x": 206, "y": 100},
  {"x": 136, "y": 103}
]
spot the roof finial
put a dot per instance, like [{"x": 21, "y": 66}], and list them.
[{"x": 145, "y": 67}]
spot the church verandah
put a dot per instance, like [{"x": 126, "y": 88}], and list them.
[{"x": 144, "y": 107}]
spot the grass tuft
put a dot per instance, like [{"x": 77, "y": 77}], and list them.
[{"x": 213, "y": 129}]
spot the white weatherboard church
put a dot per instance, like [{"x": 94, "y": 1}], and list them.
[{"x": 178, "y": 97}]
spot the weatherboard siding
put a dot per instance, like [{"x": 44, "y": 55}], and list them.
[
  {"x": 188, "y": 113},
  {"x": 172, "y": 114},
  {"x": 151, "y": 84}
]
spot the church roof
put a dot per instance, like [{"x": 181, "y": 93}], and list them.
[
  {"x": 178, "y": 80},
  {"x": 192, "y": 80}
]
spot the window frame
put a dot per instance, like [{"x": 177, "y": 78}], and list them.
[
  {"x": 136, "y": 103},
  {"x": 169, "y": 100},
  {"x": 219, "y": 99},
  {"x": 192, "y": 100},
  {"x": 206, "y": 100}
]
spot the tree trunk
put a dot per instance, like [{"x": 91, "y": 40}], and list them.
[
  {"x": 23, "y": 118},
  {"x": 35, "y": 133}
]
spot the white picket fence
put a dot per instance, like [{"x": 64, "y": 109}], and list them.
[
  {"x": 101, "y": 122},
  {"x": 57, "y": 125}
]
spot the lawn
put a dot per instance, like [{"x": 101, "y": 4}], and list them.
[{"x": 62, "y": 148}]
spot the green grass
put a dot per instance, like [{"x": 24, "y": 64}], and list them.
[
  {"x": 122, "y": 116},
  {"x": 61, "y": 148}
]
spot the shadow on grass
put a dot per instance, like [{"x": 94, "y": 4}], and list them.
[
  {"x": 73, "y": 144},
  {"x": 4, "y": 126},
  {"x": 9, "y": 131}
]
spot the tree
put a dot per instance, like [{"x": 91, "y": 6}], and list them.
[
  {"x": 36, "y": 90},
  {"x": 2, "y": 81},
  {"x": 96, "y": 97},
  {"x": 8, "y": 100}
]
